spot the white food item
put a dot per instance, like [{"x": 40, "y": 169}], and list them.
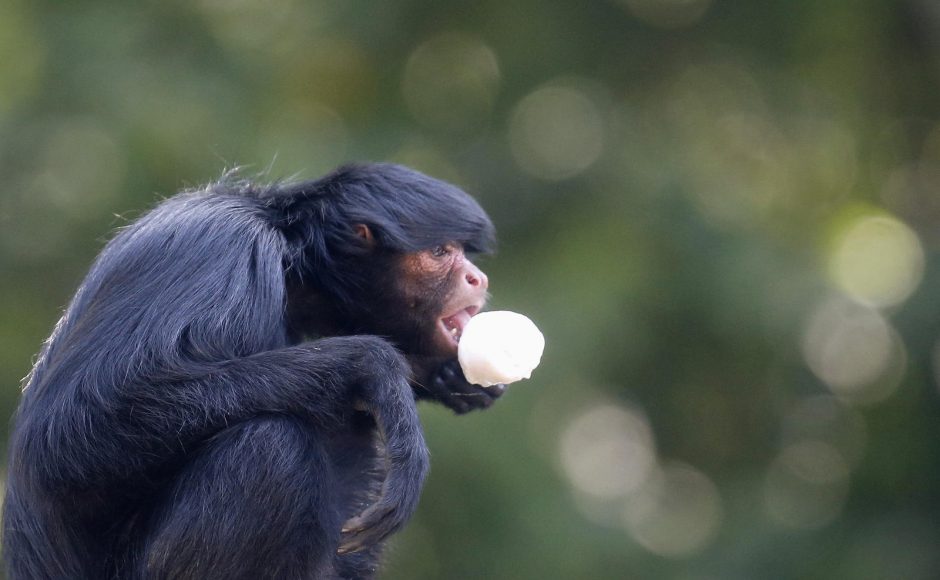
[{"x": 499, "y": 347}]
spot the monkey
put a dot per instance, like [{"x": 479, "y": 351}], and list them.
[{"x": 231, "y": 392}]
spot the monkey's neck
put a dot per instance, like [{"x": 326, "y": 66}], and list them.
[{"x": 311, "y": 315}]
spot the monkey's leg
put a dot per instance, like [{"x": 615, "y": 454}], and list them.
[
  {"x": 257, "y": 502},
  {"x": 348, "y": 373}
]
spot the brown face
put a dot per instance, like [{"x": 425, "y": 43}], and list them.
[{"x": 443, "y": 288}]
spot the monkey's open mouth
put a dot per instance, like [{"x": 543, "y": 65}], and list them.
[{"x": 454, "y": 324}]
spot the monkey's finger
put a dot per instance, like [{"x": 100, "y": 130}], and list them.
[
  {"x": 459, "y": 403},
  {"x": 450, "y": 371},
  {"x": 349, "y": 547},
  {"x": 444, "y": 379},
  {"x": 355, "y": 542},
  {"x": 367, "y": 529},
  {"x": 366, "y": 519},
  {"x": 478, "y": 397}
]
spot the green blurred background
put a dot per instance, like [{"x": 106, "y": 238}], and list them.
[{"x": 722, "y": 213}]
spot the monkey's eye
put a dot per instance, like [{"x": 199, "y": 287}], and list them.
[{"x": 440, "y": 251}]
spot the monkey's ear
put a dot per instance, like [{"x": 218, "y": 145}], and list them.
[{"x": 363, "y": 231}]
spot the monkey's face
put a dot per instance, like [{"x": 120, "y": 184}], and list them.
[
  {"x": 420, "y": 301},
  {"x": 440, "y": 290}
]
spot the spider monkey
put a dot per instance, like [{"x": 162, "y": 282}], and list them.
[{"x": 231, "y": 391}]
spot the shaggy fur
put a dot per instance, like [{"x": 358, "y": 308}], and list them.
[{"x": 179, "y": 424}]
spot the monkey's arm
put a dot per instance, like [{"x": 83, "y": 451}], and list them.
[{"x": 147, "y": 424}]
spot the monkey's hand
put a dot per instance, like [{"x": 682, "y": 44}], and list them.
[
  {"x": 447, "y": 384},
  {"x": 379, "y": 378}
]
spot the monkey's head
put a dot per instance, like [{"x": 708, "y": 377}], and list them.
[{"x": 382, "y": 249}]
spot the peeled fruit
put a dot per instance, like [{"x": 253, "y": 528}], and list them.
[{"x": 499, "y": 347}]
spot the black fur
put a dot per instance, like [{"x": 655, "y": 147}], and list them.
[{"x": 179, "y": 424}]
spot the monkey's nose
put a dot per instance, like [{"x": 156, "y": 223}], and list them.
[{"x": 476, "y": 277}]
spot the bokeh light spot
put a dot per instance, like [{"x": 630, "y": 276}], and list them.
[
  {"x": 877, "y": 259},
  {"x": 311, "y": 139},
  {"x": 450, "y": 82},
  {"x": 828, "y": 419},
  {"x": 252, "y": 25},
  {"x": 677, "y": 513},
  {"x": 556, "y": 132},
  {"x": 854, "y": 350},
  {"x": 806, "y": 485},
  {"x": 607, "y": 451},
  {"x": 425, "y": 158}
]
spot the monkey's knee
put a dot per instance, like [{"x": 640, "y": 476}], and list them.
[{"x": 257, "y": 502}]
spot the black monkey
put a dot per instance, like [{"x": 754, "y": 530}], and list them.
[{"x": 231, "y": 392}]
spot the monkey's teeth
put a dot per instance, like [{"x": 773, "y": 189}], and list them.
[
  {"x": 454, "y": 324},
  {"x": 453, "y": 329}
]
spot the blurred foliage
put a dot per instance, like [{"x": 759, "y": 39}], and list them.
[{"x": 723, "y": 214}]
